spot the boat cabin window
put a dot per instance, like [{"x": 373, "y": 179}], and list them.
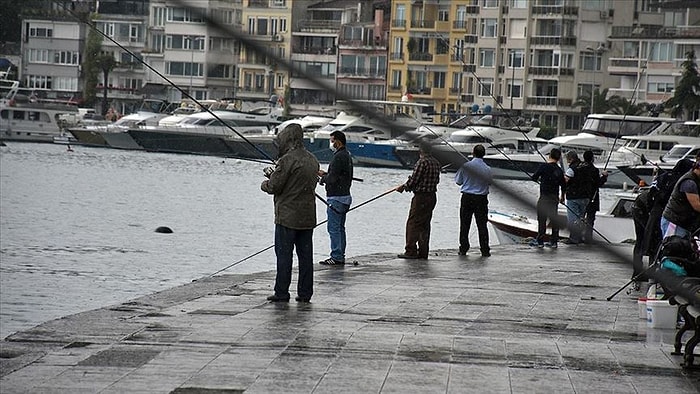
[
  {"x": 469, "y": 139},
  {"x": 4, "y": 114},
  {"x": 677, "y": 153},
  {"x": 356, "y": 129},
  {"x": 613, "y": 127},
  {"x": 18, "y": 115}
]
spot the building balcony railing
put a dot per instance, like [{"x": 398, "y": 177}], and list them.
[
  {"x": 536, "y": 70},
  {"x": 553, "y": 40},
  {"x": 400, "y": 23},
  {"x": 459, "y": 24},
  {"x": 550, "y": 101},
  {"x": 628, "y": 93},
  {"x": 626, "y": 66},
  {"x": 473, "y": 9},
  {"x": 654, "y": 31},
  {"x": 554, "y": 10},
  {"x": 454, "y": 91},
  {"x": 315, "y": 50},
  {"x": 424, "y": 90},
  {"x": 361, "y": 72},
  {"x": 420, "y": 57},
  {"x": 252, "y": 89},
  {"x": 396, "y": 56},
  {"x": 259, "y": 3},
  {"x": 423, "y": 24},
  {"x": 471, "y": 38},
  {"x": 395, "y": 88},
  {"x": 379, "y": 42},
  {"x": 310, "y": 25},
  {"x": 457, "y": 58}
]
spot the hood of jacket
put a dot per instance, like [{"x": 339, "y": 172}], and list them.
[{"x": 292, "y": 137}]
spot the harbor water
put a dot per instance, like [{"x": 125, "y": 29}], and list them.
[{"x": 77, "y": 228}]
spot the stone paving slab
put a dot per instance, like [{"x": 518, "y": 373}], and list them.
[{"x": 522, "y": 321}]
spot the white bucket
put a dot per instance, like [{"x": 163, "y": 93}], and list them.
[
  {"x": 642, "y": 303},
  {"x": 661, "y": 314}
]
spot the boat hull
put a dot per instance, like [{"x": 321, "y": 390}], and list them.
[
  {"x": 181, "y": 142},
  {"x": 120, "y": 140},
  {"x": 88, "y": 137}
]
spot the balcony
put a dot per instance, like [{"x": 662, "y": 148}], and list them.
[
  {"x": 422, "y": 24},
  {"x": 395, "y": 88},
  {"x": 399, "y": 23},
  {"x": 554, "y": 10},
  {"x": 469, "y": 68},
  {"x": 654, "y": 31},
  {"x": 471, "y": 38},
  {"x": 319, "y": 26},
  {"x": 549, "y": 101},
  {"x": 314, "y": 50},
  {"x": 423, "y": 90},
  {"x": 553, "y": 71},
  {"x": 367, "y": 42},
  {"x": 353, "y": 71},
  {"x": 553, "y": 40},
  {"x": 629, "y": 93},
  {"x": 396, "y": 56},
  {"x": 626, "y": 66},
  {"x": 473, "y": 9},
  {"x": 259, "y": 3},
  {"x": 420, "y": 57},
  {"x": 460, "y": 24}
]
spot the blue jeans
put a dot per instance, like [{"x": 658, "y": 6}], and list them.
[
  {"x": 669, "y": 228},
  {"x": 286, "y": 239},
  {"x": 575, "y": 213},
  {"x": 336, "y": 228}
]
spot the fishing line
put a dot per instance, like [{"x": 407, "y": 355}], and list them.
[{"x": 317, "y": 224}]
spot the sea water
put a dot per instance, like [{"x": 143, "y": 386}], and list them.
[{"x": 77, "y": 228}]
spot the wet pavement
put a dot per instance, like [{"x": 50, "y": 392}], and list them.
[{"x": 522, "y": 321}]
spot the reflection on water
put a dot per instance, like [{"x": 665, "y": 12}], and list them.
[{"x": 77, "y": 229}]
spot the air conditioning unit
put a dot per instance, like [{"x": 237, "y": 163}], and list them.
[{"x": 278, "y": 38}]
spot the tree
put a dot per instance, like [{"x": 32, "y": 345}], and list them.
[
  {"x": 686, "y": 97},
  {"x": 105, "y": 62},
  {"x": 601, "y": 104},
  {"x": 91, "y": 70},
  {"x": 623, "y": 106}
]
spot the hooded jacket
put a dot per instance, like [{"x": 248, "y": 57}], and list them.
[{"x": 293, "y": 181}]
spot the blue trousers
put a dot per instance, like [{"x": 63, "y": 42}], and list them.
[
  {"x": 575, "y": 214},
  {"x": 336, "y": 228},
  {"x": 286, "y": 239}
]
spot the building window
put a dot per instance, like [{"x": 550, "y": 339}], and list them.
[
  {"x": 376, "y": 92},
  {"x": 184, "y": 69},
  {"x": 485, "y": 87},
  {"x": 660, "y": 87},
  {"x": 181, "y": 14},
  {"x": 489, "y": 27},
  {"x": 66, "y": 84},
  {"x": 518, "y": 3},
  {"x": 38, "y": 56},
  {"x": 516, "y": 58},
  {"x": 489, "y": 3},
  {"x": 661, "y": 52},
  {"x": 219, "y": 71},
  {"x": 439, "y": 79},
  {"x": 444, "y": 15},
  {"x": 442, "y": 46},
  {"x": 590, "y": 61},
  {"x": 396, "y": 79},
  {"x": 486, "y": 58},
  {"x": 457, "y": 81},
  {"x": 40, "y": 32},
  {"x": 159, "y": 16},
  {"x": 515, "y": 88},
  {"x": 38, "y": 82}
]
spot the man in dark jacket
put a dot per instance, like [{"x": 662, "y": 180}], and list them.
[
  {"x": 596, "y": 180},
  {"x": 681, "y": 216},
  {"x": 338, "y": 180},
  {"x": 551, "y": 179},
  {"x": 577, "y": 196},
  {"x": 293, "y": 184}
]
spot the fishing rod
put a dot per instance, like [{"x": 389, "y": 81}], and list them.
[
  {"x": 317, "y": 224},
  {"x": 182, "y": 91}
]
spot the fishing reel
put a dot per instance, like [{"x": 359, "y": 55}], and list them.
[{"x": 267, "y": 171}]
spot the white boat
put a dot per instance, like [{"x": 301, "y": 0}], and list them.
[
  {"x": 497, "y": 134},
  {"x": 603, "y": 135},
  {"x": 26, "y": 117},
  {"x": 647, "y": 171},
  {"x": 614, "y": 226}
]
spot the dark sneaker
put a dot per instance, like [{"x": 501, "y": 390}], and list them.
[
  {"x": 330, "y": 261},
  {"x": 570, "y": 242},
  {"x": 407, "y": 256},
  {"x": 276, "y": 298},
  {"x": 486, "y": 254},
  {"x": 534, "y": 243},
  {"x": 552, "y": 245},
  {"x": 302, "y": 299}
]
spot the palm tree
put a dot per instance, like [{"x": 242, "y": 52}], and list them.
[
  {"x": 686, "y": 98},
  {"x": 106, "y": 63},
  {"x": 623, "y": 106},
  {"x": 601, "y": 104}
]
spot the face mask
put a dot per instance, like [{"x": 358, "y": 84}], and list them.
[{"x": 332, "y": 147}]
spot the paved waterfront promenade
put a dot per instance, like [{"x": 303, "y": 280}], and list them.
[{"x": 522, "y": 321}]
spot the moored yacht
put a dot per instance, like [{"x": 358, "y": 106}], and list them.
[{"x": 26, "y": 117}]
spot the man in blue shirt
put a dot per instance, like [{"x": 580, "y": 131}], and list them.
[{"x": 474, "y": 178}]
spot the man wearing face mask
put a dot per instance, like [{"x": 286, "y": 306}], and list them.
[{"x": 337, "y": 180}]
